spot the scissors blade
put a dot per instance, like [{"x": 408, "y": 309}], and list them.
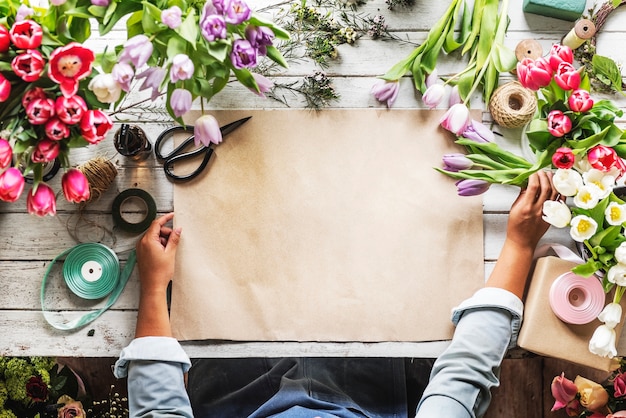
[{"x": 226, "y": 129}]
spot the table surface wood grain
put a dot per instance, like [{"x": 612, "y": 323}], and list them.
[{"x": 30, "y": 243}]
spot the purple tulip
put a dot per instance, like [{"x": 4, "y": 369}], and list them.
[
  {"x": 218, "y": 5},
  {"x": 180, "y": 102},
  {"x": 172, "y": 17},
  {"x": 471, "y": 187},
  {"x": 478, "y": 132},
  {"x": 434, "y": 95},
  {"x": 456, "y": 119},
  {"x": 455, "y": 96},
  {"x": 236, "y": 11},
  {"x": 386, "y": 91},
  {"x": 207, "y": 131},
  {"x": 260, "y": 37},
  {"x": 102, "y": 3},
  {"x": 153, "y": 77},
  {"x": 263, "y": 83},
  {"x": 182, "y": 68},
  {"x": 433, "y": 78},
  {"x": 456, "y": 162},
  {"x": 123, "y": 73},
  {"x": 212, "y": 26},
  {"x": 243, "y": 54},
  {"x": 137, "y": 50}
]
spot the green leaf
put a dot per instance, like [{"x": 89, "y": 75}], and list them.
[
  {"x": 503, "y": 58},
  {"x": 188, "y": 29},
  {"x": 488, "y": 25},
  {"x": 587, "y": 269},
  {"x": 278, "y": 31},
  {"x": 606, "y": 69},
  {"x": 274, "y": 54},
  {"x": 476, "y": 19}
]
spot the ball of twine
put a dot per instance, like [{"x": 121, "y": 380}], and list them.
[
  {"x": 100, "y": 174},
  {"x": 512, "y": 105}
]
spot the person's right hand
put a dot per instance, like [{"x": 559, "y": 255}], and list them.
[
  {"x": 526, "y": 226},
  {"x": 156, "y": 254}
]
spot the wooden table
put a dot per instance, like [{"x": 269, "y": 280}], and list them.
[{"x": 30, "y": 243}]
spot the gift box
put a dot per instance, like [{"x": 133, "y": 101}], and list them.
[{"x": 545, "y": 334}]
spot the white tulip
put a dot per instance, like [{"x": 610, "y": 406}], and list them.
[
  {"x": 556, "y": 213},
  {"x": 106, "y": 89},
  {"x": 620, "y": 253},
  {"x": 611, "y": 315},
  {"x": 583, "y": 227},
  {"x": 603, "y": 182},
  {"x": 587, "y": 197},
  {"x": 615, "y": 213},
  {"x": 617, "y": 274},
  {"x": 602, "y": 342},
  {"x": 567, "y": 181}
]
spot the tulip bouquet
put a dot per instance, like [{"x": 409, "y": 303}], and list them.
[
  {"x": 44, "y": 112},
  {"x": 583, "y": 397}
]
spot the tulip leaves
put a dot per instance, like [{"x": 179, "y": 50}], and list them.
[{"x": 481, "y": 32}]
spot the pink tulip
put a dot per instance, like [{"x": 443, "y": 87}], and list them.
[
  {"x": 434, "y": 95},
  {"x": 11, "y": 184},
  {"x": 70, "y": 110},
  {"x": 6, "y": 153},
  {"x": 182, "y": 68},
  {"x": 456, "y": 119},
  {"x": 32, "y": 94},
  {"x": 560, "y": 53},
  {"x": 39, "y": 111},
  {"x": 558, "y": 123},
  {"x": 137, "y": 50},
  {"x": 567, "y": 77},
  {"x": 5, "y": 39},
  {"x": 386, "y": 91},
  {"x": 564, "y": 392},
  {"x": 534, "y": 74},
  {"x": 180, "y": 102},
  {"x": 563, "y": 158},
  {"x": 41, "y": 202},
  {"x": 207, "y": 131},
  {"x": 46, "y": 150},
  {"x": 604, "y": 158},
  {"x": 68, "y": 65},
  {"x": 263, "y": 83},
  {"x": 29, "y": 65},
  {"x": 5, "y": 88},
  {"x": 26, "y": 34},
  {"x": 56, "y": 130},
  {"x": 94, "y": 125},
  {"x": 75, "y": 186},
  {"x": 580, "y": 101}
]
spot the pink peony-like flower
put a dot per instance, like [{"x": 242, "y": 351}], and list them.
[
  {"x": 70, "y": 109},
  {"x": 41, "y": 201},
  {"x": 68, "y": 65},
  {"x": 26, "y": 34},
  {"x": 39, "y": 111},
  {"x": 11, "y": 184},
  {"x": 45, "y": 151},
  {"x": 558, "y": 123},
  {"x": 29, "y": 65},
  {"x": 75, "y": 186},
  {"x": 94, "y": 125}
]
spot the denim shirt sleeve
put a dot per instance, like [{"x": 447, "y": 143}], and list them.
[
  {"x": 155, "y": 367},
  {"x": 462, "y": 377}
]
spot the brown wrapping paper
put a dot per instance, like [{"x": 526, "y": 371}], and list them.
[
  {"x": 325, "y": 226},
  {"x": 544, "y": 333}
]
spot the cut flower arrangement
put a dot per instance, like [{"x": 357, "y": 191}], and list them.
[{"x": 57, "y": 94}]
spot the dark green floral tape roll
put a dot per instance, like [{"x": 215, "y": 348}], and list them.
[{"x": 122, "y": 223}]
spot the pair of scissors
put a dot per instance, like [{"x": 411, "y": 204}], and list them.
[{"x": 179, "y": 153}]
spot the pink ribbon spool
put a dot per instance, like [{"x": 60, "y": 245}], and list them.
[{"x": 575, "y": 299}]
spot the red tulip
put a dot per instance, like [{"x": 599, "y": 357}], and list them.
[
  {"x": 580, "y": 101},
  {"x": 68, "y": 65},
  {"x": 70, "y": 109},
  {"x": 534, "y": 74},
  {"x": 6, "y": 153},
  {"x": 567, "y": 77},
  {"x": 558, "y": 123},
  {"x": 5, "y": 88},
  {"x": 75, "y": 186},
  {"x": 11, "y": 184},
  {"x": 94, "y": 125},
  {"x": 563, "y": 158},
  {"x": 45, "y": 151},
  {"x": 560, "y": 53},
  {"x": 26, "y": 34},
  {"x": 41, "y": 202},
  {"x": 29, "y": 65},
  {"x": 39, "y": 111},
  {"x": 5, "y": 39}
]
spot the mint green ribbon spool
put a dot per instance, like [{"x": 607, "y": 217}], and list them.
[{"x": 91, "y": 271}]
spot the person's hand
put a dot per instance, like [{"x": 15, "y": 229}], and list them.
[
  {"x": 526, "y": 226},
  {"x": 156, "y": 254}
]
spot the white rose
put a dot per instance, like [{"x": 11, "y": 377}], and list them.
[
  {"x": 611, "y": 315},
  {"x": 602, "y": 342},
  {"x": 567, "y": 181},
  {"x": 556, "y": 213},
  {"x": 106, "y": 89},
  {"x": 617, "y": 274},
  {"x": 620, "y": 253},
  {"x": 583, "y": 227}
]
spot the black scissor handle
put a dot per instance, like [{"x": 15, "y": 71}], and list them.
[
  {"x": 166, "y": 134},
  {"x": 169, "y": 162}
]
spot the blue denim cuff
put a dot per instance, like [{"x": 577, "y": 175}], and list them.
[{"x": 151, "y": 348}]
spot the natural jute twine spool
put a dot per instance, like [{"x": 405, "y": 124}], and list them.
[
  {"x": 512, "y": 105},
  {"x": 100, "y": 174}
]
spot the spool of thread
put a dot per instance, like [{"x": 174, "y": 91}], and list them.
[
  {"x": 528, "y": 48},
  {"x": 583, "y": 30},
  {"x": 100, "y": 174},
  {"x": 512, "y": 105},
  {"x": 131, "y": 141},
  {"x": 575, "y": 299}
]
